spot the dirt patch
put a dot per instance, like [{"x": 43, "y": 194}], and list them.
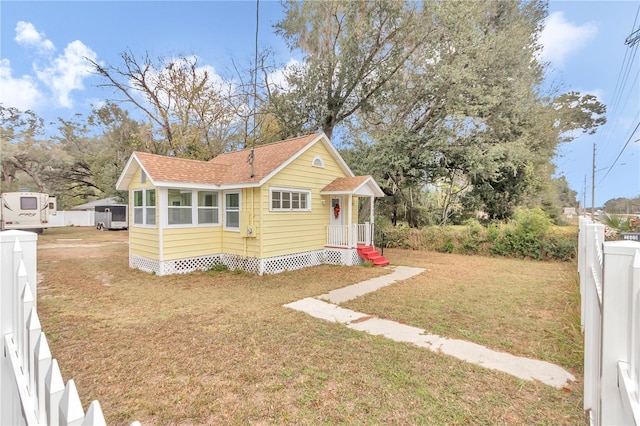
[{"x": 77, "y": 245}]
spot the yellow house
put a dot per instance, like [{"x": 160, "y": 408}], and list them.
[{"x": 281, "y": 206}]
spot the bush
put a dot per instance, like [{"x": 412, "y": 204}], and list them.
[
  {"x": 532, "y": 222},
  {"x": 530, "y": 235}
]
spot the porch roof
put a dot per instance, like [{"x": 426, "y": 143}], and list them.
[{"x": 364, "y": 186}]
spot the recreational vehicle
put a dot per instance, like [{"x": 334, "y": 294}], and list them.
[{"x": 27, "y": 211}]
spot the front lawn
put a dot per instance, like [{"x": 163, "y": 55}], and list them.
[{"x": 217, "y": 347}]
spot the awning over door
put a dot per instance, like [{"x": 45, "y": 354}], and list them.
[{"x": 361, "y": 186}]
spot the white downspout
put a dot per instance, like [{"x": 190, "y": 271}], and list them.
[{"x": 350, "y": 221}]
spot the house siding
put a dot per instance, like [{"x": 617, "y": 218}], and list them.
[
  {"x": 293, "y": 232},
  {"x": 237, "y": 242},
  {"x": 143, "y": 240},
  {"x": 186, "y": 242}
]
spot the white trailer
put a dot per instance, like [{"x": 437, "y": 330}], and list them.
[
  {"x": 112, "y": 216},
  {"x": 27, "y": 211}
]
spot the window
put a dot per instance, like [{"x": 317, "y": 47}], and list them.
[
  {"x": 317, "y": 162},
  {"x": 179, "y": 206},
  {"x": 289, "y": 200},
  {"x": 208, "y": 207},
  {"x": 232, "y": 210},
  {"x": 28, "y": 203},
  {"x": 150, "y": 204},
  {"x": 144, "y": 207},
  {"x": 191, "y": 207}
]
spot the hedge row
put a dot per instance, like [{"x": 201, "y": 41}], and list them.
[{"x": 529, "y": 236}]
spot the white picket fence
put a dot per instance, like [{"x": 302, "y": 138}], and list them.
[
  {"x": 610, "y": 312},
  {"x": 32, "y": 391}
]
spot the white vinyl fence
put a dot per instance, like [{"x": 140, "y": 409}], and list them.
[
  {"x": 610, "y": 293},
  {"x": 32, "y": 391},
  {"x": 73, "y": 218}
]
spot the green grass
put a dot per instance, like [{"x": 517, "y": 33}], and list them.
[{"x": 218, "y": 348}]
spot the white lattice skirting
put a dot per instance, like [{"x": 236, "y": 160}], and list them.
[{"x": 270, "y": 265}]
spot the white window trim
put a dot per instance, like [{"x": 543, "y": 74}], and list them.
[
  {"x": 291, "y": 209},
  {"x": 224, "y": 213},
  {"x": 144, "y": 207},
  {"x": 197, "y": 208},
  {"x": 319, "y": 159},
  {"x": 194, "y": 210}
]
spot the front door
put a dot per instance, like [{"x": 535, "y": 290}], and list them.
[
  {"x": 337, "y": 211},
  {"x": 337, "y": 232}
]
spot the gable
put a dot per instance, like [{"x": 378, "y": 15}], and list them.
[{"x": 229, "y": 170}]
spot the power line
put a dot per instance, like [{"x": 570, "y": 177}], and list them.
[
  {"x": 625, "y": 69},
  {"x": 621, "y": 82},
  {"x": 621, "y": 151}
]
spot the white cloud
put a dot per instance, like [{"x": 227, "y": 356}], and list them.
[
  {"x": 278, "y": 78},
  {"x": 27, "y": 35},
  {"x": 59, "y": 74},
  {"x": 560, "y": 38},
  {"x": 21, "y": 93},
  {"x": 67, "y": 72}
]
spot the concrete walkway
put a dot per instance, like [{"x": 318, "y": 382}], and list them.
[{"x": 521, "y": 367}]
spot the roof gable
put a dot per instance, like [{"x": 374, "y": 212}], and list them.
[
  {"x": 231, "y": 169},
  {"x": 355, "y": 185}
]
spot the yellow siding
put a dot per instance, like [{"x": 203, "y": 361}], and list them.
[
  {"x": 234, "y": 242},
  {"x": 291, "y": 232},
  {"x": 143, "y": 240},
  {"x": 276, "y": 233},
  {"x": 180, "y": 243}
]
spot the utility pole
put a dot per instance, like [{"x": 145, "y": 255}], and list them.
[
  {"x": 593, "y": 182},
  {"x": 584, "y": 197}
]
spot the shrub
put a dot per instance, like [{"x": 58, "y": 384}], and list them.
[
  {"x": 532, "y": 221},
  {"x": 529, "y": 235}
]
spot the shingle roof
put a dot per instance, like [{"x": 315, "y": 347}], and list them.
[
  {"x": 345, "y": 184},
  {"x": 229, "y": 168},
  {"x": 170, "y": 169},
  {"x": 267, "y": 158}
]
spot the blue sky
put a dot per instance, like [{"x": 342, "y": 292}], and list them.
[{"x": 42, "y": 44}]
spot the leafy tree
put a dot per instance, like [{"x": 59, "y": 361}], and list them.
[
  {"x": 97, "y": 149},
  {"x": 189, "y": 104},
  {"x": 623, "y": 205},
  {"x": 27, "y": 158},
  {"x": 118, "y": 136},
  {"x": 352, "y": 51}
]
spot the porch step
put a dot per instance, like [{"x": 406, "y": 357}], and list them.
[{"x": 369, "y": 253}]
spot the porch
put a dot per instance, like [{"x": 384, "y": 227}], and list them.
[{"x": 350, "y": 236}]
